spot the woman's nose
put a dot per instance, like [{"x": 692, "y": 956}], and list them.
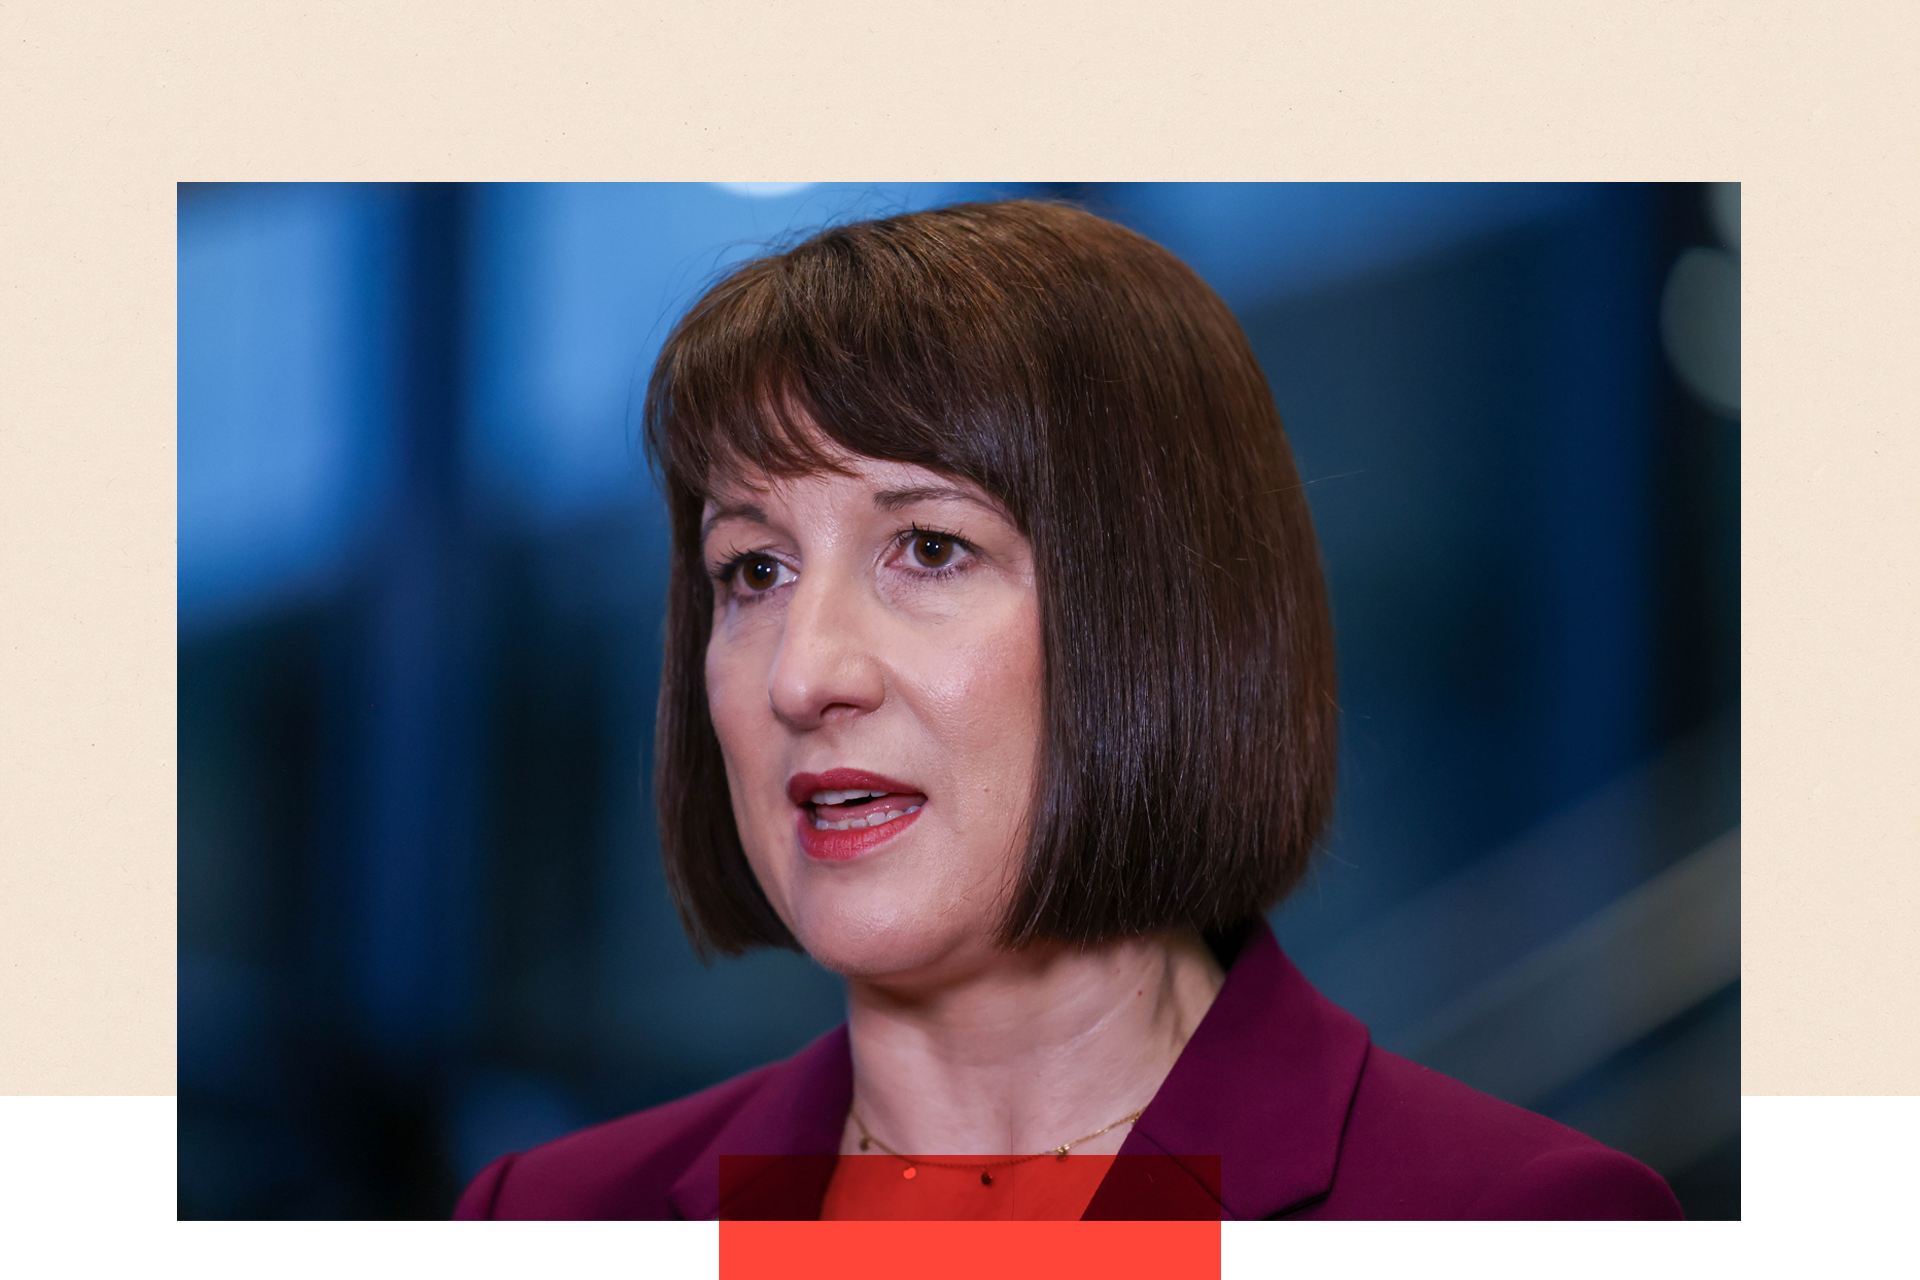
[{"x": 825, "y": 670}]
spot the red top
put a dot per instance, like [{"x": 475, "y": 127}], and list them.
[
  {"x": 872, "y": 1188},
  {"x": 1279, "y": 1106}
]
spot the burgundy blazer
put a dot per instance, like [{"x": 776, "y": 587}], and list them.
[{"x": 1289, "y": 1107}]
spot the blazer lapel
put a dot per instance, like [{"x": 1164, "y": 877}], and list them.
[
  {"x": 1254, "y": 1107},
  {"x": 793, "y": 1124}
]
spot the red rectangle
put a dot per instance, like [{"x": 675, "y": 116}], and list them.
[{"x": 969, "y": 1250}]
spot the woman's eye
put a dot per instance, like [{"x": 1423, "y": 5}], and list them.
[
  {"x": 931, "y": 551},
  {"x": 752, "y": 574},
  {"x": 759, "y": 573}
]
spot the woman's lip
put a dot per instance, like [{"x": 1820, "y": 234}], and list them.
[
  {"x": 802, "y": 787},
  {"x": 843, "y": 846},
  {"x": 840, "y": 846}
]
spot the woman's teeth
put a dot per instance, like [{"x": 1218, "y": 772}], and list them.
[
  {"x": 870, "y": 817},
  {"x": 857, "y": 824}
]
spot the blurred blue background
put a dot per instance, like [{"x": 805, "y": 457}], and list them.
[{"x": 421, "y": 567}]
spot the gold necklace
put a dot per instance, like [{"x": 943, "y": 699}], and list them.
[{"x": 986, "y": 1176}]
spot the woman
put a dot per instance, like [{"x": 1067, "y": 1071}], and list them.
[{"x": 1000, "y": 681}]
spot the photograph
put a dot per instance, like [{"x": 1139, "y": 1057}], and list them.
[{"x": 959, "y": 701}]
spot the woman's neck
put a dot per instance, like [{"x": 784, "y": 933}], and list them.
[{"x": 1029, "y": 1051}]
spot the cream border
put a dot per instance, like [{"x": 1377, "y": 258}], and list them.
[{"x": 104, "y": 107}]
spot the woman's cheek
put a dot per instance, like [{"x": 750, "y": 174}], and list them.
[
  {"x": 730, "y": 709},
  {"x": 733, "y": 653},
  {"x": 990, "y": 690},
  {"x": 720, "y": 700}
]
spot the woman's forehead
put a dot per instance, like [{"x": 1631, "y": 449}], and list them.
[{"x": 886, "y": 484}]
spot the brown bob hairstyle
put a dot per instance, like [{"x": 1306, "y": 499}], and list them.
[{"x": 1094, "y": 386}]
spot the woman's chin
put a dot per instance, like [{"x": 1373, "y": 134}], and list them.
[
  {"x": 871, "y": 957},
  {"x": 891, "y": 919},
  {"x": 862, "y": 948}
]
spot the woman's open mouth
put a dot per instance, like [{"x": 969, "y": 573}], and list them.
[
  {"x": 858, "y": 810},
  {"x": 844, "y": 813}
]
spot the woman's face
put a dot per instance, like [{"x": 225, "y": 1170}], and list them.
[{"x": 874, "y": 676}]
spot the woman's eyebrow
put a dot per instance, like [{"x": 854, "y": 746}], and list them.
[
  {"x": 894, "y": 499},
  {"x": 734, "y": 511}
]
